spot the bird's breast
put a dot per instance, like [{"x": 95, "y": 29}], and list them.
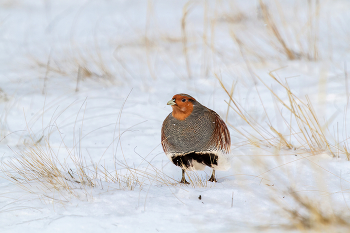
[{"x": 192, "y": 134}]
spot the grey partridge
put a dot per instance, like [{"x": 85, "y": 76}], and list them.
[{"x": 194, "y": 136}]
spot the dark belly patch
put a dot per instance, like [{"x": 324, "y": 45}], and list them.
[{"x": 186, "y": 160}]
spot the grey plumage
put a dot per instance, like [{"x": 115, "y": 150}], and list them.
[
  {"x": 193, "y": 136},
  {"x": 202, "y": 131}
]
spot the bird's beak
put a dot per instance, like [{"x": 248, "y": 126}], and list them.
[{"x": 171, "y": 102}]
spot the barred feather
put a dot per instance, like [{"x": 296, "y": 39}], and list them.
[{"x": 203, "y": 135}]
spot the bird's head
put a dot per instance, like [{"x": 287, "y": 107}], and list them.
[{"x": 182, "y": 105}]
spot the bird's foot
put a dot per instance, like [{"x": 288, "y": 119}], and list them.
[
  {"x": 212, "y": 179},
  {"x": 184, "y": 181}
]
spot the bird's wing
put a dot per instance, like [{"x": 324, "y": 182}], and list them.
[{"x": 221, "y": 134}]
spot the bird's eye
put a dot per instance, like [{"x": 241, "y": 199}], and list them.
[{"x": 183, "y": 100}]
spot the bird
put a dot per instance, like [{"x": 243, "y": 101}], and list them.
[{"x": 194, "y": 136}]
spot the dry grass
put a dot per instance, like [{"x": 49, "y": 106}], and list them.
[
  {"x": 308, "y": 215},
  {"x": 278, "y": 35},
  {"x": 303, "y": 123},
  {"x": 292, "y": 36},
  {"x": 309, "y": 136},
  {"x": 65, "y": 173},
  {"x": 4, "y": 114},
  {"x": 76, "y": 65},
  {"x": 186, "y": 11},
  {"x": 3, "y": 96}
]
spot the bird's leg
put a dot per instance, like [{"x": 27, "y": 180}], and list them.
[
  {"x": 212, "y": 178},
  {"x": 183, "y": 180}
]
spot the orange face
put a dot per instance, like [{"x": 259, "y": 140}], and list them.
[{"x": 182, "y": 106}]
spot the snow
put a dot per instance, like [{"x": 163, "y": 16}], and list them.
[{"x": 107, "y": 117}]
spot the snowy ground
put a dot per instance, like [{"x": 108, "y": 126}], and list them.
[{"x": 87, "y": 82}]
